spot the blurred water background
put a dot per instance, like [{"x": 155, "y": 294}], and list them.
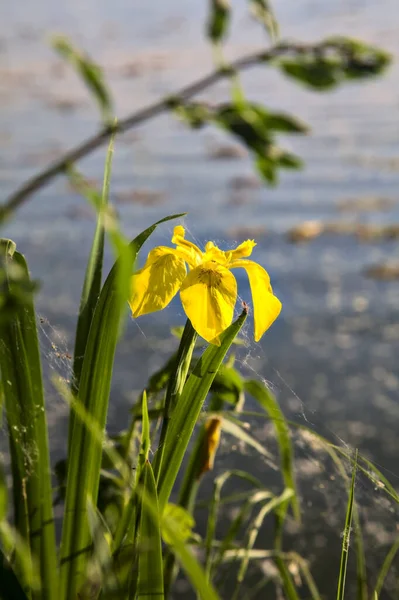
[{"x": 332, "y": 356}]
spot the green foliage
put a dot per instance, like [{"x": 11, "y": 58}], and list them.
[
  {"x": 218, "y": 20},
  {"x": 336, "y": 60},
  {"x": 263, "y": 12},
  {"x": 89, "y": 71},
  {"x": 27, "y": 428}
]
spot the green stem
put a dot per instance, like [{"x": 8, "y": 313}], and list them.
[{"x": 175, "y": 388}]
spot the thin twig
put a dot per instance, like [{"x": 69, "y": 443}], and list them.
[{"x": 59, "y": 166}]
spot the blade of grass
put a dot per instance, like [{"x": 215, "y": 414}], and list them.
[
  {"x": 386, "y": 565},
  {"x": 186, "y": 413},
  {"x": 150, "y": 571},
  {"x": 269, "y": 403},
  {"x": 84, "y": 461},
  {"x": 347, "y": 534},
  {"x": 24, "y": 401},
  {"x": 236, "y": 430},
  {"x": 92, "y": 281},
  {"x": 214, "y": 508},
  {"x": 253, "y": 531},
  {"x": 235, "y": 526}
]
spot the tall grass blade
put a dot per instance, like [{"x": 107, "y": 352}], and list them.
[
  {"x": 386, "y": 565},
  {"x": 84, "y": 460},
  {"x": 271, "y": 406},
  {"x": 189, "y": 407},
  {"x": 150, "y": 571},
  {"x": 286, "y": 579},
  {"x": 347, "y": 534},
  {"x": 253, "y": 530},
  {"x": 24, "y": 401},
  {"x": 92, "y": 281},
  {"x": 236, "y": 525},
  {"x": 214, "y": 509}
]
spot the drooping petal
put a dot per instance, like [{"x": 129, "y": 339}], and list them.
[
  {"x": 187, "y": 250},
  {"x": 153, "y": 286},
  {"x": 243, "y": 250},
  {"x": 267, "y": 306},
  {"x": 208, "y": 295}
]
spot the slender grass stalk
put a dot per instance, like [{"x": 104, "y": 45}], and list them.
[{"x": 347, "y": 534}]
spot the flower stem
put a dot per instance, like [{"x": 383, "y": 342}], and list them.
[{"x": 175, "y": 388}]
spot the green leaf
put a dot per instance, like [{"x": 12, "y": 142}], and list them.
[
  {"x": 218, "y": 20},
  {"x": 145, "y": 433},
  {"x": 269, "y": 403},
  {"x": 181, "y": 521},
  {"x": 20, "y": 368},
  {"x": 256, "y": 128},
  {"x": 386, "y": 565},
  {"x": 150, "y": 570},
  {"x": 228, "y": 384},
  {"x": 89, "y": 71},
  {"x": 334, "y": 61},
  {"x": 316, "y": 73},
  {"x": 186, "y": 413},
  {"x": 188, "y": 562},
  {"x": 92, "y": 282},
  {"x": 263, "y": 12},
  {"x": 236, "y": 430},
  {"x": 84, "y": 461}
]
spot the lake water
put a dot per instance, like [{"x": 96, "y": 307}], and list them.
[{"x": 332, "y": 355}]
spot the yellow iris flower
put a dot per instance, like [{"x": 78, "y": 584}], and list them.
[{"x": 209, "y": 291}]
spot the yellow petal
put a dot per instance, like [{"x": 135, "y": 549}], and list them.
[
  {"x": 267, "y": 306},
  {"x": 187, "y": 250},
  {"x": 208, "y": 295},
  {"x": 212, "y": 252},
  {"x": 153, "y": 286},
  {"x": 243, "y": 250}
]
